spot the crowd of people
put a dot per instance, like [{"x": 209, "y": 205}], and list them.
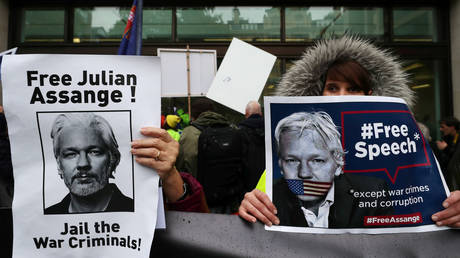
[{"x": 209, "y": 165}]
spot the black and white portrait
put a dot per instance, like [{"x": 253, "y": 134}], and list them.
[
  {"x": 313, "y": 190},
  {"x": 87, "y": 160}
]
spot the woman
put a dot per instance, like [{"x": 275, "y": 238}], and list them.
[{"x": 344, "y": 66}]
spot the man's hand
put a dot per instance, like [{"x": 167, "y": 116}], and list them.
[
  {"x": 450, "y": 216},
  {"x": 257, "y": 206}
]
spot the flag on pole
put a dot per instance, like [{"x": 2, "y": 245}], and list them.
[{"x": 131, "y": 42}]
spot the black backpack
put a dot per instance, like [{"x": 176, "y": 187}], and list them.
[
  {"x": 254, "y": 158},
  {"x": 220, "y": 166}
]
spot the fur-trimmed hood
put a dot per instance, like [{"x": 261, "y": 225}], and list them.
[{"x": 308, "y": 75}]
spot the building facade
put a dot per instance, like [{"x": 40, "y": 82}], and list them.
[{"x": 422, "y": 33}]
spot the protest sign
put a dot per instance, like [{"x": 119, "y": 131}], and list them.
[
  {"x": 7, "y": 52},
  {"x": 201, "y": 67},
  {"x": 355, "y": 164},
  {"x": 245, "y": 68},
  {"x": 71, "y": 119}
]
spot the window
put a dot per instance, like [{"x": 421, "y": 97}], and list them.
[
  {"x": 157, "y": 24},
  {"x": 414, "y": 24},
  {"x": 107, "y": 24},
  {"x": 310, "y": 23},
  {"x": 272, "y": 81},
  {"x": 99, "y": 24},
  {"x": 224, "y": 23},
  {"x": 40, "y": 25},
  {"x": 426, "y": 79}
]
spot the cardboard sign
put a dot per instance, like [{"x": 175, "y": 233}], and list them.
[
  {"x": 241, "y": 76},
  {"x": 174, "y": 83}
]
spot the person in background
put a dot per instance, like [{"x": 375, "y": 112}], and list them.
[
  {"x": 347, "y": 65},
  {"x": 254, "y": 140},
  {"x": 449, "y": 127},
  {"x": 171, "y": 124},
  {"x": 449, "y": 151},
  {"x": 184, "y": 118},
  {"x": 203, "y": 115}
]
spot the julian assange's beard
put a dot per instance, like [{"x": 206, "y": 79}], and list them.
[{"x": 87, "y": 184}]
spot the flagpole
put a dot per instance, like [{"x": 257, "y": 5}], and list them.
[
  {"x": 139, "y": 9},
  {"x": 188, "y": 81}
]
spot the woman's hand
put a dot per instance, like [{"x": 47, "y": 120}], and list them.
[
  {"x": 257, "y": 206},
  {"x": 450, "y": 216},
  {"x": 159, "y": 151}
]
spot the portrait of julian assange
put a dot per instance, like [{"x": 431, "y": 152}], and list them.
[
  {"x": 87, "y": 155},
  {"x": 313, "y": 191}
]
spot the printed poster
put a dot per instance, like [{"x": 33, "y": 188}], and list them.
[
  {"x": 356, "y": 164},
  {"x": 71, "y": 119}
]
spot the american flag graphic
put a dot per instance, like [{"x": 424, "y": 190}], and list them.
[{"x": 307, "y": 187}]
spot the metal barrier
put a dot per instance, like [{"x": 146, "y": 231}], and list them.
[{"x": 212, "y": 235}]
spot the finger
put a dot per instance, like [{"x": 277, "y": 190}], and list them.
[
  {"x": 159, "y": 166},
  {"x": 455, "y": 225},
  {"x": 260, "y": 210},
  {"x": 248, "y": 208},
  {"x": 148, "y": 143},
  {"x": 449, "y": 221},
  {"x": 146, "y": 152},
  {"x": 243, "y": 214},
  {"x": 156, "y": 156},
  {"x": 454, "y": 198},
  {"x": 156, "y": 133},
  {"x": 263, "y": 197},
  {"x": 452, "y": 205}
]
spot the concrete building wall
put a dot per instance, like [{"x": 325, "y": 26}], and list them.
[{"x": 455, "y": 52}]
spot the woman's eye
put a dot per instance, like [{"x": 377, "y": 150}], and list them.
[{"x": 331, "y": 88}]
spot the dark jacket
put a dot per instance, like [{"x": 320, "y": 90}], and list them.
[
  {"x": 118, "y": 202},
  {"x": 344, "y": 213},
  {"x": 253, "y": 133},
  {"x": 452, "y": 175},
  {"x": 444, "y": 156}
]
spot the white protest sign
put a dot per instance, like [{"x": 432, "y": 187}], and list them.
[
  {"x": 241, "y": 76},
  {"x": 174, "y": 71},
  {"x": 11, "y": 51},
  {"x": 71, "y": 119},
  {"x": 161, "y": 219}
]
